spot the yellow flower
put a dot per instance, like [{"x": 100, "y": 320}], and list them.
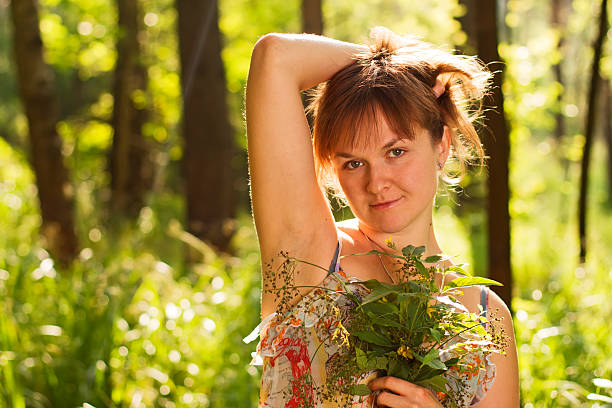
[
  {"x": 404, "y": 351},
  {"x": 430, "y": 309},
  {"x": 390, "y": 243}
]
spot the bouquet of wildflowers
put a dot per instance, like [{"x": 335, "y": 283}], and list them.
[{"x": 415, "y": 330}]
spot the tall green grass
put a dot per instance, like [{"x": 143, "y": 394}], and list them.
[{"x": 129, "y": 324}]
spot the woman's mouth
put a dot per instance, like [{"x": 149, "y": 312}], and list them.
[{"x": 384, "y": 205}]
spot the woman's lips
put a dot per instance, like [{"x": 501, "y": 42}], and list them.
[{"x": 385, "y": 205}]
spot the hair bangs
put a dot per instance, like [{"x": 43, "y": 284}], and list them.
[{"x": 357, "y": 126}]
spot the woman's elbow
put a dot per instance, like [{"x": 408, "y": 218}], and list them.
[{"x": 268, "y": 49}]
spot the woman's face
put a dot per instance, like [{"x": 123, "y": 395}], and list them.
[{"x": 391, "y": 184}]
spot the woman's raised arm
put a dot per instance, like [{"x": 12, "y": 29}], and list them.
[{"x": 290, "y": 210}]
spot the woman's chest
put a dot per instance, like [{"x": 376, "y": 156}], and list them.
[
  {"x": 365, "y": 267},
  {"x": 356, "y": 264}
]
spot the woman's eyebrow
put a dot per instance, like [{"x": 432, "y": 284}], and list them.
[
  {"x": 344, "y": 155},
  {"x": 390, "y": 143},
  {"x": 385, "y": 147}
]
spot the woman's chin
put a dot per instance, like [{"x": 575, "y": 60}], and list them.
[{"x": 388, "y": 225}]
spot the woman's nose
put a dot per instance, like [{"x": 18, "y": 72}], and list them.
[{"x": 378, "y": 180}]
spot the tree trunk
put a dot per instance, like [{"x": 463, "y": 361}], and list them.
[
  {"x": 312, "y": 17},
  {"x": 468, "y": 25},
  {"x": 128, "y": 153},
  {"x": 557, "y": 17},
  {"x": 608, "y": 136},
  {"x": 209, "y": 148},
  {"x": 41, "y": 105},
  {"x": 312, "y": 23},
  {"x": 497, "y": 146},
  {"x": 589, "y": 129},
  {"x": 471, "y": 198}
]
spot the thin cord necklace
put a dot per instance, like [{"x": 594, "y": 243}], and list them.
[{"x": 379, "y": 257}]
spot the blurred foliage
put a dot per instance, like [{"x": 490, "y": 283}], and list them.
[
  {"x": 124, "y": 327},
  {"x": 133, "y": 325}
]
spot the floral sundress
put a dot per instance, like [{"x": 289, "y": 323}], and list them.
[{"x": 297, "y": 356}]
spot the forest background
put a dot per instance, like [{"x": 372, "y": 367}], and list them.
[{"x": 129, "y": 268}]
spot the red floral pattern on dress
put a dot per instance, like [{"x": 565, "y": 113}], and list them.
[{"x": 289, "y": 343}]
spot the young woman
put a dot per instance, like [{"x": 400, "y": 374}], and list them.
[{"x": 387, "y": 119}]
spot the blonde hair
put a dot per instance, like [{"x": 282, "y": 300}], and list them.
[{"x": 395, "y": 77}]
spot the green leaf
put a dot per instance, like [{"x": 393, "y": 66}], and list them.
[
  {"x": 432, "y": 359},
  {"x": 432, "y": 259},
  {"x": 409, "y": 296},
  {"x": 470, "y": 281},
  {"x": 435, "y": 334},
  {"x": 432, "y": 354},
  {"x": 370, "y": 361},
  {"x": 451, "y": 362},
  {"x": 412, "y": 251},
  {"x": 371, "y": 284},
  {"x": 379, "y": 308},
  {"x": 427, "y": 372},
  {"x": 419, "y": 287},
  {"x": 378, "y": 363},
  {"x": 436, "y": 383},
  {"x": 459, "y": 270},
  {"x": 372, "y": 337},
  {"x": 359, "y": 389},
  {"x": 421, "y": 268},
  {"x": 379, "y": 293},
  {"x": 437, "y": 364},
  {"x": 408, "y": 251},
  {"x": 399, "y": 369},
  {"x": 381, "y": 321},
  {"x": 362, "y": 359},
  {"x": 382, "y": 349}
]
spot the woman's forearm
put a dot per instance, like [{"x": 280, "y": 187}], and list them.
[{"x": 305, "y": 59}]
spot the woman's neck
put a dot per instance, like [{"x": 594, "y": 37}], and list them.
[{"x": 416, "y": 235}]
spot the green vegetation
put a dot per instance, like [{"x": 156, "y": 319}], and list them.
[
  {"x": 131, "y": 321},
  {"x": 127, "y": 321}
]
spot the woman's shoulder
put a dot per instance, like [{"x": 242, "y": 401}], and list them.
[{"x": 472, "y": 298}]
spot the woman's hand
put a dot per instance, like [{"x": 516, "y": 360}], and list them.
[{"x": 398, "y": 393}]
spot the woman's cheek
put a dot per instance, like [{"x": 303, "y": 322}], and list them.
[{"x": 350, "y": 184}]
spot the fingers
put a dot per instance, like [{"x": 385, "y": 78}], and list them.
[
  {"x": 398, "y": 393},
  {"x": 439, "y": 88},
  {"x": 387, "y": 399},
  {"x": 396, "y": 385}
]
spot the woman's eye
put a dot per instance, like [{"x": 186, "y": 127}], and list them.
[
  {"x": 396, "y": 152},
  {"x": 352, "y": 164}
]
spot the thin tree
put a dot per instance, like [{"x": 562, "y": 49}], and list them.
[
  {"x": 471, "y": 197},
  {"x": 468, "y": 26},
  {"x": 594, "y": 89},
  {"x": 209, "y": 147},
  {"x": 312, "y": 23},
  {"x": 38, "y": 97},
  {"x": 128, "y": 152},
  {"x": 558, "y": 18},
  {"x": 312, "y": 17},
  {"x": 497, "y": 146},
  {"x": 608, "y": 135}
]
